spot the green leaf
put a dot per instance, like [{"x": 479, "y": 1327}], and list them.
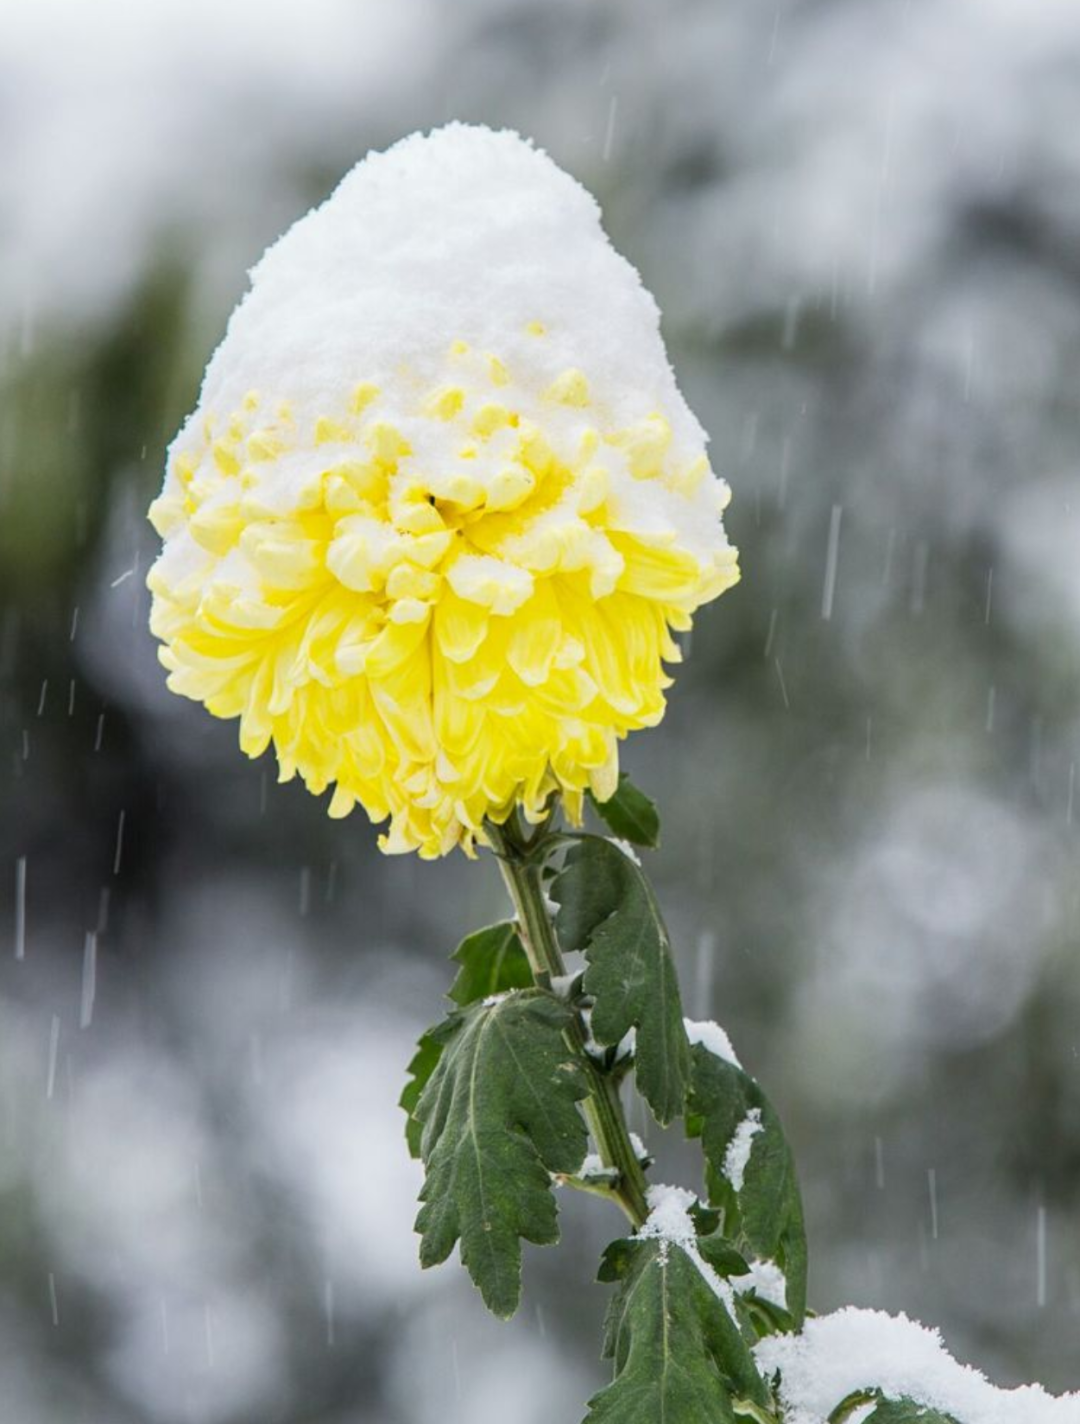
[
  {"x": 420, "y": 1069},
  {"x": 679, "y": 1355},
  {"x": 764, "y": 1317},
  {"x": 906, "y": 1411},
  {"x": 607, "y": 909},
  {"x": 756, "y": 1316},
  {"x": 499, "y": 1115},
  {"x": 765, "y": 1213},
  {"x": 888, "y": 1411},
  {"x": 630, "y": 814},
  {"x": 722, "y": 1256},
  {"x": 492, "y": 961}
]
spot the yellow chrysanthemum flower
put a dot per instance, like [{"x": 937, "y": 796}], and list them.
[{"x": 441, "y": 502}]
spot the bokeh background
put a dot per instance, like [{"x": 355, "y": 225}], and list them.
[{"x": 862, "y": 221}]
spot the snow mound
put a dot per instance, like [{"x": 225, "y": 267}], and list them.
[
  {"x": 852, "y": 1349},
  {"x": 463, "y": 235}
]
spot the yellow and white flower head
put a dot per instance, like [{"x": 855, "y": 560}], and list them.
[{"x": 441, "y": 500}]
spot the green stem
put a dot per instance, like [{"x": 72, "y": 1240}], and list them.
[
  {"x": 521, "y": 862},
  {"x": 854, "y": 1401}
]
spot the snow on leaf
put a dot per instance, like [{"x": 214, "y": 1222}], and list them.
[
  {"x": 751, "y": 1170},
  {"x": 902, "y": 1369},
  {"x": 679, "y": 1355},
  {"x": 713, "y": 1037}
]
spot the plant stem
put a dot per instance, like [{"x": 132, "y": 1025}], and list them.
[
  {"x": 854, "y": 1401},
  {"x": 521, "y": 862}
]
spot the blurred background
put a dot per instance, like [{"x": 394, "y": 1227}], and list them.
[{"x": 861, "y": 219}]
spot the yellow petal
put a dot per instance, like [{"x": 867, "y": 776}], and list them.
[
  {"x": 460, "y": 627},
  {"x": 536, "y": 638}
]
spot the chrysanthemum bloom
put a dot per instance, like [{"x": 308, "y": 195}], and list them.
[{"x": 441, "y": 501}]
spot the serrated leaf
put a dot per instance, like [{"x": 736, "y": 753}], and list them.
[
  {"x": 607, "y": 909},
  {"x": 499, "y": 1115},
  {"x": 492, "y": 961},
  {"x": 679, "y": 1355},
  {"x": 421, "y": 1066},
  {"x": 765, "y": 1212},
  {"x": 630, "y": 814}
]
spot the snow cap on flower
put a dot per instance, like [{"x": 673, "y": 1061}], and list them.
[{"x": 441, "y": 500}]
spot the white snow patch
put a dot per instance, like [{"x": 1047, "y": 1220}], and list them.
[
  {"x": 593, "y": 1166},
  {"x": 739, "y": 1148},
  {"x": 711, "y": 1037},
  {"x": 561, "y": 984},
  {"x": 669, "y": 1222},
  {"x": 592, "y": 1048},
  {"x": 595, "y": 1049},
  {"x": 407, "y": 260},
  {"x": 626, "y": 848},
  {"x": 669, "y": 1217},
  {"x": 767, "y": 1279},
  {"x": 641, "y": 1152},
  {"x": 861, "y": 1349}
]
